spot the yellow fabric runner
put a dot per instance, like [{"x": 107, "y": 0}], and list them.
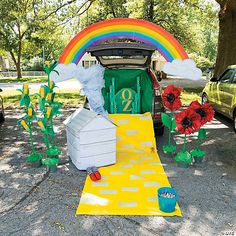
[{"x": 130, "y": 186}]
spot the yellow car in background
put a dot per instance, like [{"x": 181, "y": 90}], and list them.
[{"x": 221, "y": 93}]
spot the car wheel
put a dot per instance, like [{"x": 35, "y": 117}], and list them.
[
  {"x": 159, "y": 131},
  {"x": 204, "y": 98},
  {"x": 234, "y": 121}
]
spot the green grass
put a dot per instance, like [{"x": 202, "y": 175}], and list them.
[
  {"x": 191, "y": 94},
  {"x": 35, "y": 79},
  {"x": 70, "y": 97},
  {"x": 11, "y": 98}
]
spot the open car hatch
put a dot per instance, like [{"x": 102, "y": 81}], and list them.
[{"x": 122, "y": 54}]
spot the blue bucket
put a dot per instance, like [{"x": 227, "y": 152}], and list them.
[{"x": 167, "y": 204}]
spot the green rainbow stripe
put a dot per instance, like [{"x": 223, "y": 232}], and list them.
[{"x": 140, "y": 30}]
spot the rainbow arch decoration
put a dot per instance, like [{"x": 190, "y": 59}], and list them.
[{"x": 119, "y": 28}]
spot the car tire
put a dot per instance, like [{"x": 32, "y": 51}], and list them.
[
  {"x": 234, "y": 121},
  {"x": 204, "y": 98},
  {"x": 159, "y": 131}
]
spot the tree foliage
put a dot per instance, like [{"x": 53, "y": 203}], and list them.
[
  {"x": 29, "y": 27},
  {"x": 29, "y": 23},
  {"x": 193, "y": 22}
]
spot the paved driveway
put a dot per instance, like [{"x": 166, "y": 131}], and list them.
[
  {"x": 36, "y": 202},
  {"x": 184, "y": 82}
]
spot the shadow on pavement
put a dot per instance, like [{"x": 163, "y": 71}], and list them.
[{"x": 206, "y": 191}]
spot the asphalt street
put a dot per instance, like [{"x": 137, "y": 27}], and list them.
[{"x": 36, "y": 202}]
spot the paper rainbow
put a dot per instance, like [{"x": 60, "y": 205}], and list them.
[{"x": 140, "y": 30}]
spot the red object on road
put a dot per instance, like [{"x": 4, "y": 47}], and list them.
[
  {"x": 98, "y": 175},
  {"x": 93, "y": 173}
]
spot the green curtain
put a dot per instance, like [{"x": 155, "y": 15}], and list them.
[{"x": 127, "y": 78}]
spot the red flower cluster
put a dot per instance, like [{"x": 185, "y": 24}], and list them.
[
  {"x": 171, "y": 97},
  {"x": 188, "y": 121},
  {"x": 192, "y": 118},
  {"x": 205, "y": 111}
]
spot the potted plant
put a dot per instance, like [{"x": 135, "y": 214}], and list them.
[
  {"x": 183, "y": 159},
  {"x": 206, "y": 113},
  {"x": 188, "y": 121},
  {"x": 49, "y": 109},
  {"x": 35, "y": 159},
  {"x": 51, "y": 164},
  {"x": 26, "y": 123},
  {"x": 171, "y": 100},
  {"x": 197, "y": 153}
]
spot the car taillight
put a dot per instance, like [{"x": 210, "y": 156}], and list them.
[
  {"x": 157, "y": 92},
  {"x": 157, "y": 116},
  {"x": 154, "y": 79}
]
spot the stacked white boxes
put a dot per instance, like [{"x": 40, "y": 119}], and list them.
[{"x": 91, "y": 139}]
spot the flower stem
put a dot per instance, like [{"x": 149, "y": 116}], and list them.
[
  {"x": 48, "y": 80},
  {"x": 53, "y": 136},
  {"x": 31, "y": 141},
  {"x": 185, "y": 143},
  {"x": 46, "y": 141},
  {"x": 198, "y": 144},
  {"x": 169, "y": 136}
]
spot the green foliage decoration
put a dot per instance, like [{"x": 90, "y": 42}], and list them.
[
  {"x": 26, "y": 122},
  {"x": 48, "y": 109},
  {"x": 197, "y": 152},
  {"x": 169, "y": 122}
]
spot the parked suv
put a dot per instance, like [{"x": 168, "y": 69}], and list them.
[
  {"x": 130, "y": 84},
  {"x": 221, "y": 93}
]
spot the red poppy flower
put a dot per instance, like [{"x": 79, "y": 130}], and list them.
[
  {"x": 171, "y": 97},
  {"x": 188, "y": 121},
  {"x": 205, "y": 111}
]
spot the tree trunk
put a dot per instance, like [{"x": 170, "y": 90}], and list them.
[
  {"x": 226, "y": 54},
  {"x": 18, "y": 69},
  {"x": 149, "y": 10},
  {"x": 17, "y": 64}
]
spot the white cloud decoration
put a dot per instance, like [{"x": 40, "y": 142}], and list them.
[
  {"x": 91, "y": 82},
  {"x": 66, "y": 72},
  {"x": 186, "y": 69}
]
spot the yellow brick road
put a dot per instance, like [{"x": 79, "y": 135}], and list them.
[{"x": 130, "y": 186}]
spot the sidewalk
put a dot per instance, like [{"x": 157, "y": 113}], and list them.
[{"x": 70, "y": 84}]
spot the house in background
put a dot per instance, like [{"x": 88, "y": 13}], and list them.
[
  {"x": 157, "y": 62},
  {"x": 6, "y": 63},
  {"x": 87, "y": 61}
]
